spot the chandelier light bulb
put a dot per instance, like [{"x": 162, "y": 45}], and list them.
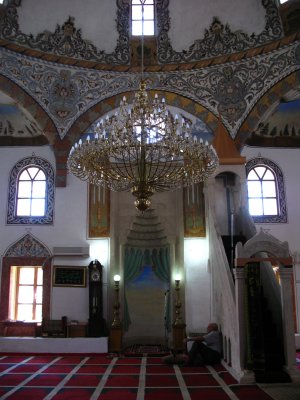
[{"x": 143, "y": 149}]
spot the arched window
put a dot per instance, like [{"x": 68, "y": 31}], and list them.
[
  {"x": 266, "y": 197},
  {"x": 142, "y": 24},
  {"x": 31, "y": 192}
]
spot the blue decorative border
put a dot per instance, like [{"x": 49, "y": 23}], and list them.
[
  {"x": 230, "y": 89},
  {"x": 47, "y": 219},
  {"x": 282, "y": 216}
]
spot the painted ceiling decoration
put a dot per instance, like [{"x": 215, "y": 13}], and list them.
[
  {"x": 15, "y": 123},
  {"x": 69, "y": 94},
  {"x": 229, "y": 90},
  {"x": 67, "y": 40},
  {"x": 218, "y": 40},
  {"x": 282, "y": 128},
  {"x": 9, "y": 127}
]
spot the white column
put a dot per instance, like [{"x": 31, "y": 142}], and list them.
[
  {"x": 240, "y": 313},
  {"x": 245, "y": 376}
]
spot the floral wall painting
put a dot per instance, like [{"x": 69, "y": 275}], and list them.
[
  {"x": 282, "y": 128},
  {"x": 194, "y": 211},
  {"x": 98, "y": 212}
]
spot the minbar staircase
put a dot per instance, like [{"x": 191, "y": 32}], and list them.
[
  {"x": 265, "y": 354},
  {"x": 271, "y": 370},
  {"x": 229, "y": 243}
]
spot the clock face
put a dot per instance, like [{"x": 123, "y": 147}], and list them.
[{"x": 95, "y": 276}]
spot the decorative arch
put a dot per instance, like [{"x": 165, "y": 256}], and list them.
[
  {"x": 173, "y": 99},
  {"x": 40, "y": 115},
  {"x": 28, "y": 250},
  {"x": 263, "y": 242},
  {"x": 266, "y": 102},
  {"x": 30, "y": 105}
]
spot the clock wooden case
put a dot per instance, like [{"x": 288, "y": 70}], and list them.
[{"x": 97, "y": 324}]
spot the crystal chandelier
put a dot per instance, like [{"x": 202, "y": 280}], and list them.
[{"x": 144, "y": 149}]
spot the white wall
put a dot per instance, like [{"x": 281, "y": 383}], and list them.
[
  {"x": 95, "y": 19},
  {"x": 289, "y": 162},
  {"x": 69, "y": 229},
  {"x": 187, "y": 25},
  {"x": 197, "y": 285}
]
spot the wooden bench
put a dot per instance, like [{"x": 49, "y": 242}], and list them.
[{"x": 18, "y": 328}]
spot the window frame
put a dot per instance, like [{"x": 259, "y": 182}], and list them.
[
  {"x": 141, "y": 21},
  {"x": 30, "y": 198},
  {"x": 35, "y": 286},
  {"x": 281, "y": 217},
  {"x": 48, "y": 217}
]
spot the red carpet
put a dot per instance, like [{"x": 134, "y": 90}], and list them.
[
  {"x": 140, "y": 350},
  {"x": 61, "y": 377},
  {"x": 298, "y": 360}
]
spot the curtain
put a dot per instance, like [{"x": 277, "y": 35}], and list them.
[
  {"x": 161, "y": 263},
  {"x": 134, "y": 260},
  {"x": 133, "y": 263}
]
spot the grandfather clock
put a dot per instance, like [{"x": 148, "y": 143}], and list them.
[{"x": 97, "y": 324}]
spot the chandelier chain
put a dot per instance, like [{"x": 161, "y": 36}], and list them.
[{"x": 143, "y": 148}]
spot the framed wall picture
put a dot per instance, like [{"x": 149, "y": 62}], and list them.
[
  {"x": 69, "y": 276},
  {"x": 98, "y": 212}
]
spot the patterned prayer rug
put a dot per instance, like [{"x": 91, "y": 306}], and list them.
[
  {"x": 146, "y": 350},
  {"x": 101, "y": 377}
]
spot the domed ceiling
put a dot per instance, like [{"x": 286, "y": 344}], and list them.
[
  {"x": 282, "y": 126},
  {"x": 48, "y": 53},
  {"x": 17, "y": 126}
]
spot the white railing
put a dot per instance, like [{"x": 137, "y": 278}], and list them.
[{"x": 223, "y": 291}]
